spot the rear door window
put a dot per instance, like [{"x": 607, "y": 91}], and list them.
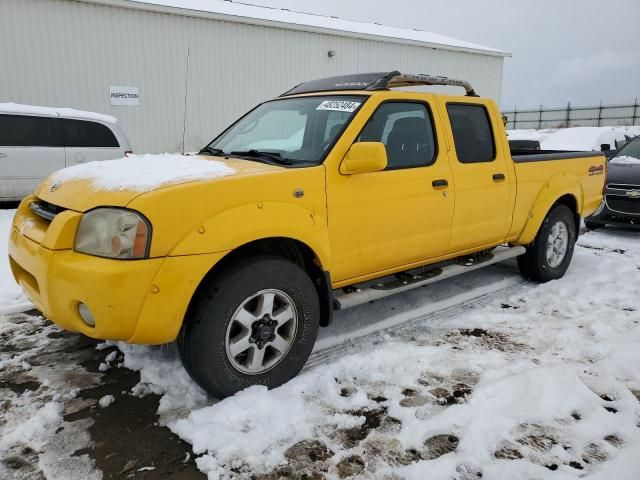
[
  {"x": 28, "y": 131},
  {"x": 81, "y": 133},
  {"x": 472, "y": 133}
]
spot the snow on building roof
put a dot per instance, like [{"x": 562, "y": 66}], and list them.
[
  {"x": 284, "y": 18},
  {"x": 55, "y": 112}
]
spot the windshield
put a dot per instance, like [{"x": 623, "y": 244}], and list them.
[
  {"x": 629, "y": 153},
  {"x": 292, "y": 130}
]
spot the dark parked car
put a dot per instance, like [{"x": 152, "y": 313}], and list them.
[{"x": 621, "y": 204}]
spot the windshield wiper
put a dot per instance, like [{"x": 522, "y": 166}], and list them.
[
  {"x": 275, "y": 157},
  {"x": 216, "y": 152}
]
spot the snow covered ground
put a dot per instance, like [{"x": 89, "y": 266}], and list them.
[
  {"x": 11, "y": 298},
  {"x": 481, "y": 375}
]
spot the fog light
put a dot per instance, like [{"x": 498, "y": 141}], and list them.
[{"x": 86, "y": 315}]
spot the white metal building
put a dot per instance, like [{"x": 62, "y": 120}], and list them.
[{"x": 140, "y": 60}]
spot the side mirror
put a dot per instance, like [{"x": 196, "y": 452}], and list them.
[
  {"x": 364, "y": 157},
  {"x": 605, "y": 146}
]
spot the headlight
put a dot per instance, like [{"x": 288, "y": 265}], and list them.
[{"x": 113, "y": 233}]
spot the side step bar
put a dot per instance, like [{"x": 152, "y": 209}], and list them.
[{"x": 407, "y": 281}]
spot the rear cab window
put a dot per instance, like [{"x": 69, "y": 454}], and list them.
[
  {"x": 87, "y": 134},
  {"x": 29, "y": 131},
  {"x": 472, "y": 133}
]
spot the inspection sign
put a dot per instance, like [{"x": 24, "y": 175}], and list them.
[{"x": 124, "y": 95}]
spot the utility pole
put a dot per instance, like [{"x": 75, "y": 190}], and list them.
[
  {"x": 540, "y": 118},
  {"x": 600, "y": 113},
  {"x": 186, "y": 96}
]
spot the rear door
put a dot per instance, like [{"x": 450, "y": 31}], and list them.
[
  {"x": 30, "y": 149},
  {"x": 483, "y": 177},
  {"x": 86, "y": 141}
]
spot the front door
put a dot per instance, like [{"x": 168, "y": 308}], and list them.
[{"x": 402, "y": 215}]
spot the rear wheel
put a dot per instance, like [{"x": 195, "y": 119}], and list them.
[
  {"x": 254, "y": 324},
  {"x": 549, "y": 256}
]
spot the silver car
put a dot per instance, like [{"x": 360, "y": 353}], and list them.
[{"x": 36, "y": 141}]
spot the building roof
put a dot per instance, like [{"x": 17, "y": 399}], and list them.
[{"x": 261, "y": 15}]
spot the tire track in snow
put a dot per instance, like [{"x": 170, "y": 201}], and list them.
[{"x": 364, "y": 338}]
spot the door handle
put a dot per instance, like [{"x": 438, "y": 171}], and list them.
[
  {"x": 3, "y": 155},
  {"x": 498, "y": 177},
  {"x": 440, "y": 183}
]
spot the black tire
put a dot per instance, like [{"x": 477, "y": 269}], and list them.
[
  {"x": 591, "y": 225},
  {"x": 202, "y": 340},
  {"x": 534, "y": 264}
]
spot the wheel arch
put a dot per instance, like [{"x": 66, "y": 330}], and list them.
[
  {"x": 555, "y": 192},
  {"x": 294, "y": 250}
]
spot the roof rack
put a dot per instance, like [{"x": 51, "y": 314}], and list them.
[{"x": 377, "y": 81}]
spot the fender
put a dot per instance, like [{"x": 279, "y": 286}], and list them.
[
  {"x": 246, "y": 223},
  {"x": 558, "y": 186}
]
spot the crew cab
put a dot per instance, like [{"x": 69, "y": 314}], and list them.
[{"x": 339, "y": 192}]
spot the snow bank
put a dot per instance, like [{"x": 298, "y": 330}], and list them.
[
  {"x": 585, "y": 138},
  {"x": 525, "y": 134},
  {"x": 11, "y": 297},
  {"x": 143, "y": 172},
  {"x": 55, "y": 112}
]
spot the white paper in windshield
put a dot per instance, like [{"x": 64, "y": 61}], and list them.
[{"x": 339, "y": 105}]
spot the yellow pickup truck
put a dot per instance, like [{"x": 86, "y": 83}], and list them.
[{"x": 339, "y": 192}]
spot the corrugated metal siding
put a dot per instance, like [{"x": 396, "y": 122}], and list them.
[{"x": 68, "y": 53}]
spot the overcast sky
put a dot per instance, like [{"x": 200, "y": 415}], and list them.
[{"x": 581, "y": 51}]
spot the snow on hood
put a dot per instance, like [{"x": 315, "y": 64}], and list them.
[{"x": 143, "y": 172}]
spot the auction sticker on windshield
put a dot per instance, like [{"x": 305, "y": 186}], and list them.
[{"x": 338, "y": 105}]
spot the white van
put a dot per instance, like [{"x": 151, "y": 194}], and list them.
[{"x": 36, "y": 141}]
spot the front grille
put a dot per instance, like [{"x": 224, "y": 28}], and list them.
[
  {"x": 46, "y": 210},
  {"x": 622, "y": 186},
  {"x": 623, "y": 204}
]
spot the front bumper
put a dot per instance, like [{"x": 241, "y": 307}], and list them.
[
  {"x": 605, "y": 215},
  {"x": 137, "y": 301}
]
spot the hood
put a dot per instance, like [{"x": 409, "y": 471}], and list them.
[
  {"x": 623, "y": 173},
  {"x": 117, "y": 182}
]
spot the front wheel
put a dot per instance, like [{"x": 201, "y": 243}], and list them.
[
  {"x": 549, "y": 256},
  {"x": 255, "y": 324}
]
